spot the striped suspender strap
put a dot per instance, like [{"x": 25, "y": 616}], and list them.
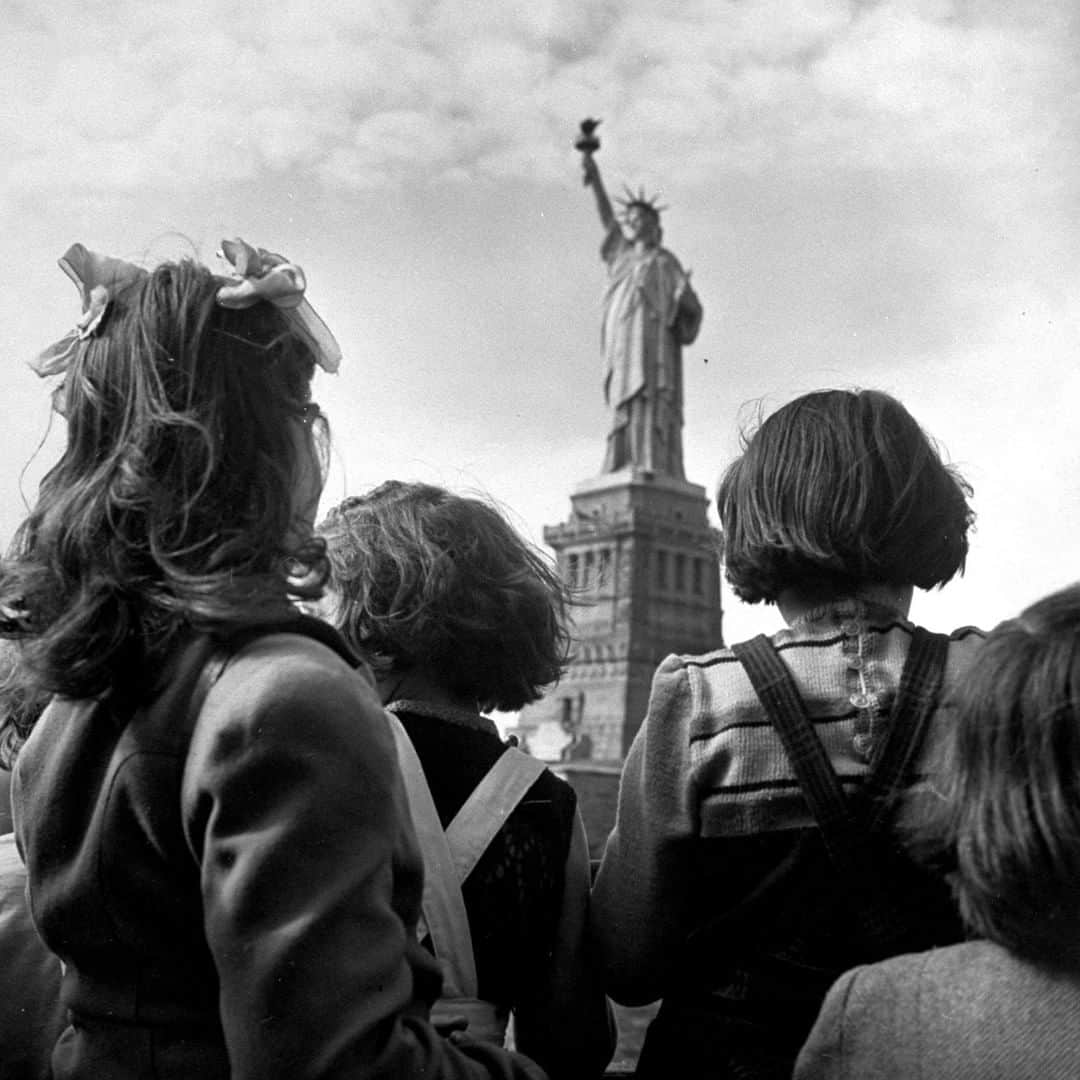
[
  {"x": 443, "y": 906},
  {"x": 845, "y": 839},
  {"x": 779, "y": 697},
  {"x": 916, "y": 699},
  {"x": 485, "y": 811}
]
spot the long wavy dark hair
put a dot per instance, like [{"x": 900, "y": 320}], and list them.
[
  {"x": 172, "y": 506},
  {"x": 421, "y": 576}
]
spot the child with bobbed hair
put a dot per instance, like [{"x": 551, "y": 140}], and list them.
[
  {"x": 756, "y": 852},
  {"x": 215, "y": 833},
  {"x": 836, "y": 490},
  {"x": 1004, "y": 819},
  {"x": 457, "y": 615}
]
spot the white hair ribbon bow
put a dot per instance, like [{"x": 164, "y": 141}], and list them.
[
  {"x": 99, "y": 278},
  {"x": 262, "y": 275}
]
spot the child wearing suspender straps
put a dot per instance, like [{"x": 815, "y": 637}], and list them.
[
  {"x": 458, "y": 616},
  {"x": 756, "y": 851},
  {"x": 449, "y": 857}
]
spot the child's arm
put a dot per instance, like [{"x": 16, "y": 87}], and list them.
[
  {"x": 643, "y": 891},
  {"x": 295, "y": 810}
]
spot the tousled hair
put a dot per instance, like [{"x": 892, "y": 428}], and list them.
[
  {"x": 172, "y": 503},
  {"x": 1007, "y": 822},
  {"x": 22, "y": 703},
  {"x": 836, "y": 489},
  {"x": 426, "y": 578}
]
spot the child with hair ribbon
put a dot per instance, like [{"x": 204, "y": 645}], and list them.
[{"x": 214, "y": 829}]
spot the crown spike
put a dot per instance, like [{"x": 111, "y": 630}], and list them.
[{"x": 640, "y": 199}]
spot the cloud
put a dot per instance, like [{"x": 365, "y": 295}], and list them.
[
  {"x": 869, "y": 193},
  {"x": 911, "y": 86},
  {"x": 381, "y": 93}
]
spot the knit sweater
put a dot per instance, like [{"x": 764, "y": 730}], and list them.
[{"x": 709, "y": 809}]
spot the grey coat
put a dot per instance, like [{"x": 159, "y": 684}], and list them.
[{"x": 967, "y": 1012}]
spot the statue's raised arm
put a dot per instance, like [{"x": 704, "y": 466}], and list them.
[
  {"x": 650, "y": 312},
  {"x": 588, "y": 143},
  {"x": 603, "y": 203}
]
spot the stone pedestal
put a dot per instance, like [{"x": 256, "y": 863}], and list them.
[{"x": 644, "y": 561}]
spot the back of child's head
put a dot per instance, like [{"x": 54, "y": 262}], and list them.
[
  {"x": 172, "y": 503},
  {"x": 839, "y": 489},
  {"x": 426, "y": 578},
  {"x": 178, "y": 415},
  {"x": 1007, "y": 815}
]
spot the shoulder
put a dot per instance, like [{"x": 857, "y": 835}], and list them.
[
  {"x": 970, "y": 980},
  {"x": 677, "y": 684},
  {"x": 289, "y": 687},
  {"x": 290, "y": 734},
  {"x": 981, "y": 979},
  {"x": 874, "y": 987},
  {"x": 864, "y": 1026},
  {"x": 723, "y": 693},
  {"x": 546, "y": 811},
  {"x": 614, "y": 243},
  {"x": 695, "y": 702},
  {"x": 548, "y": 792},
  {"x": 554, "y": 789},
  {"x": 294, "y": 669},
  {"x": 964, "y": 644},
  {"x": 867, "y": 1006},
  {"x": 668, "y": 259}
]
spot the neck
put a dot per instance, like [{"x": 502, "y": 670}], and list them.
[
  {"x": 418, "y": 685},
  {"x": 795, "y": 602}
]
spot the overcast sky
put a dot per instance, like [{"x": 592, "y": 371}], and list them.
[{"x": 869, "y": 194}]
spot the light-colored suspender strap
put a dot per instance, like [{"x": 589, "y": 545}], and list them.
[
  {"x": 485, "y": 811},
  {"x": 443, "y": 906}
]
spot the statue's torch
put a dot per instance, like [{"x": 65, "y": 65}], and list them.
[{"x": 587, "y": 141}]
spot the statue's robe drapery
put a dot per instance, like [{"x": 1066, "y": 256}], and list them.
[{"x": 650, "y": 312}]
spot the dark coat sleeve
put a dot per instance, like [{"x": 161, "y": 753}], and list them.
[
  {"x": 31, "y": 1016},
  {"x": 644, "y": 887},
  {"x": 294, "y": 807}
]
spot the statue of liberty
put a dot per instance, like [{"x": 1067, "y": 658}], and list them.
[{"x": 650, "y": 312}]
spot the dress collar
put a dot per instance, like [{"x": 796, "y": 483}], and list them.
[
  {"x": 454, "y": 714},
  {"x": 867, "y": 605}
]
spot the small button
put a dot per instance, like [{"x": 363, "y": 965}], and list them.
[
  {"x": 863, "y": 743},
  {"x": 860, "y": 701},
  {"x": 855, "y": 662}
]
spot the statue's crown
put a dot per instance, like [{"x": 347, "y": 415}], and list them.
[{"x": 639, "y": 200}]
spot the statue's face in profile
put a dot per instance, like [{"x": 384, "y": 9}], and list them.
[{"x": 643, "y": 224}]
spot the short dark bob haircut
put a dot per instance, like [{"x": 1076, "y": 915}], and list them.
[
  {"x": 838, "y": 489},
  {"x": 1008, "y": 820},
  {"x": 426, "y": 578},
  {"x": 172, "y": 505}
]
